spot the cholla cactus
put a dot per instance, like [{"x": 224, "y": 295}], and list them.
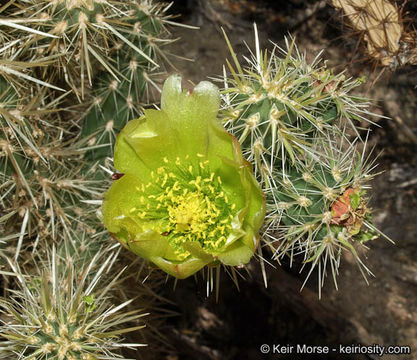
[
  {"x": 381, "y": 26},
  {"x": 63, "y": 311},
  {"x": 54, "y": 56},
  {"x": 42, "y": 171},
  {"x": 322, "y": 208},
  {"x": 290, "y": 118},
  {"x": 79, "y": 35},
  {"x": 104, "y": 52},
  {"x": 71, "y": 44},
  {"x": 277, "y": 107},
  {"x": 116, "y": 100},
  {"x": 186, "y": 198}
]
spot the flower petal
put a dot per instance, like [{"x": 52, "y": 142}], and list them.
[
  {"x": 179, "y": 270},
  {"x": 238, "y": 253},
  {"x": 187, "y": 198}
]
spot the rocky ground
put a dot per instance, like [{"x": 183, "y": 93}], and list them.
[{"x": 383, "y": 312}]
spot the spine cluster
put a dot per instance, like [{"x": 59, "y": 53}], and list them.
[
  {"x": 72, "y": 73},
  {"x": 292, "y": 119}
]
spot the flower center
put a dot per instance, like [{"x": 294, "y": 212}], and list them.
[
  {"x": 189, "y": 205},
  {"x": 189, "y": 213}
]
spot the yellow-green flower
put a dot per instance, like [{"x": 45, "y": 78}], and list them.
[{"x": 187, "y": 197}]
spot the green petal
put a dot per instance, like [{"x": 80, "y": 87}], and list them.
[
  {"x": 231, "y": 179},
  {"x": 185, "y": 129},
  {"x": 237, "y": 231},
  {"x": 121, "y": 206},
  {"x": 190, "y": 113},
  {"x": 239, "y": 253},
  {"x": 184, "y": 108},
  {"x": 197, "y": 251},
  {"x": 257, "y": 203},
  {"x": 149, "y": 244},
  {"x": 125, "y": 157},
  {"x": 144, "y": 143},
  {"x": 154, "y": 139},
  {"x": 119, "y": 200},
  {"x": 220, "y": 146},
  {"x": 179, "y": 270}
]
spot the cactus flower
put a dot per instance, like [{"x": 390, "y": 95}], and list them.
[{"x": 187, "y": 197}]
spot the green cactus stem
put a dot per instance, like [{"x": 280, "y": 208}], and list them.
[
  {"x": 277, "y": 106},
  {"x": 321, "y": 209},
  {"x": 42, "y": 172},
  {"x": 61, "y": 311}
]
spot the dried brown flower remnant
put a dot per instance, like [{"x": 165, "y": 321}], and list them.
[{"x": 349, "y": 211}]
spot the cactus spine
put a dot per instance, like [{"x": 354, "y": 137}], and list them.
[
  {"x": 102, "y": 53},
  {"x": 41, "y": 172},
  {"x": 291, "y": 118},
  {"x": 72, "y": 73},
  {"x": 65, "y": 310}
]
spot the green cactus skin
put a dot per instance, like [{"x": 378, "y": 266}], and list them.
[
  {"x": 291, "y": 117},
  {"x": 113, "y": 107},
  {"x": 62, "y": 311},
  {"x": 42, "y": 173},
  {"x": 321, "y": 209},
  {"x": 277, "y": 106},
  {"x": 116, "y": 101}
]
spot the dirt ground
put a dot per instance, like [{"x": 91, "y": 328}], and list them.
[{"x": 383, "y": 312}]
